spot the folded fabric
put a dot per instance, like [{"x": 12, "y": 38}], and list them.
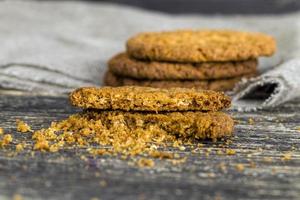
[
  {"x": 270, "y": 89},
  {"x": 55, "y": 52}
]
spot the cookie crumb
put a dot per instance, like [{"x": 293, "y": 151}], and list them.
[
  {"x": 42, "y": 145},
  {"x": 144, "y": 162},
  {"x": 6, "y": 139},
  {"x": 219, "y": 152},
  {"x": 251, "y": 121},
  {"x": 99, "y": 152},
  {"x": 230, "y": 152},
  {"x": 22, "y": 126},
  {"x": 200, "y": 145},
  {"x": 286, "y": 156},
  {"x": 240, "y": 167},
  {"x": 161, "y": 155},
  {"x": 19, "y": 147},
  {"x": 54, "y": 148},
  {"x": 181, "y": 148},
  {"x": 179, "y": 161},
  {"x": 176, "y": 155}
]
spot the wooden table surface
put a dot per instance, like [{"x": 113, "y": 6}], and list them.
[{"x": 262, "y": 147}]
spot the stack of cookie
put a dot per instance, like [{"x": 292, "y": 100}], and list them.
[
  {"x": 205, "y": 59},
  {"x": 188, "y": 113}
]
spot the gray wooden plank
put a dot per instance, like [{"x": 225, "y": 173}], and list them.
[{"x": 65, "y": 175}]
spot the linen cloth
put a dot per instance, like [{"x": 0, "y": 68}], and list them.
[{"x": 54, "y": 47}]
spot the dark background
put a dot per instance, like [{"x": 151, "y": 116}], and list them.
[{"x": 215, "y": 6}]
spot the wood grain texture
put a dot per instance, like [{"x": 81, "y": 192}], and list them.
[{"x": 65, "y": 175}]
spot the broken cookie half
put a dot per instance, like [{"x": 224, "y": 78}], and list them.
[{"x": 186, "y": 113}]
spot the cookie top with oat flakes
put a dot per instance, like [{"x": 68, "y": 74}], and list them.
[{"x": 200, "y": 45}]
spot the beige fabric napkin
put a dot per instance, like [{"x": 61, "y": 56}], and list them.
[{"x": 54, "y": 47}]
